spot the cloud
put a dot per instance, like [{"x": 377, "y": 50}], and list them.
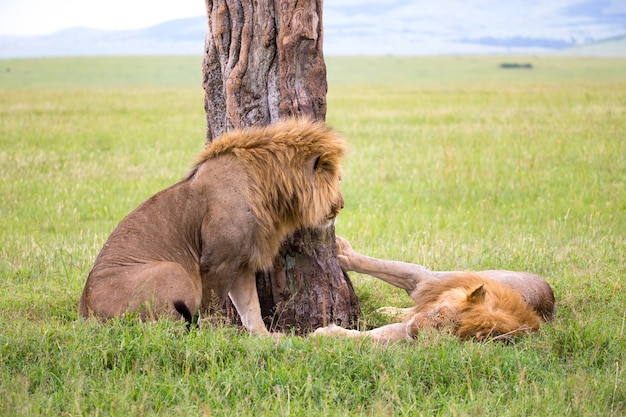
[{"x": 36, "y": 17}]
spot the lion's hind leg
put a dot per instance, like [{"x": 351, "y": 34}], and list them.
[
  {"x": 151, "y": 290},
  {"x": 170, "y": 290}
]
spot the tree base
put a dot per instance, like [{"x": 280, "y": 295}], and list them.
[{"x": 307, "y": 288}]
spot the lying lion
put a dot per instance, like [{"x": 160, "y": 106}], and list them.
[
  {"x": 472, "y": 305},
  {"x": 204, "y": 238}
]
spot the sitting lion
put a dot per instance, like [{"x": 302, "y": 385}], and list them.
[
  {"x": 472, "y": 305},
  {"x": 204, "y": 238}
]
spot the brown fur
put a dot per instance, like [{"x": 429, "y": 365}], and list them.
[
  {"x": 205, "y": 237},
  {"x": 473, "y": 305}
]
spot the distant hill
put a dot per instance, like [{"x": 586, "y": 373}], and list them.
[
  {"x": 399, "y": 27},
  {"x": 421, "y": 27},
  {"x": 180, "y": 36},
  {"x": 613, "y": 47}
]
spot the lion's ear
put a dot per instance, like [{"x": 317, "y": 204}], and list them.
[
  {"x": 478, "y": 295},
  {"x": 312, "y": 164},
  {"x": 316, "y": 164}
]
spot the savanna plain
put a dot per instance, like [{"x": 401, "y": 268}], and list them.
[{"x": 455, "y": 163}]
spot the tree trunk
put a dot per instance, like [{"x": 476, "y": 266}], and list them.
[{"x": 263, "y": 61}]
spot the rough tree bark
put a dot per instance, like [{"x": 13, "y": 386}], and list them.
[{"x": 263, "y": 61}]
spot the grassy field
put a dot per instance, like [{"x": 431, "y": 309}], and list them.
[{"x": 455, "y": 163}]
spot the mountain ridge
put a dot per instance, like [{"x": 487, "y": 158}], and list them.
[{"x": 347, "y": 31}]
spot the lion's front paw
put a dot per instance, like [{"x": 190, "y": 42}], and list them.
[
  {"x": 342, "y": 245},
  {"x": 396, "y": 313},
  {"x": 344, "y": 262},
  {"x": 334, "y": 330},
  {"x": 326, "y": 331},
  {"x": 348, "y": 258},
  {"x": 390, "y": 311}
]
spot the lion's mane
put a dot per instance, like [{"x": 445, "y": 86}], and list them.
[{"x": 288, "y": 192}]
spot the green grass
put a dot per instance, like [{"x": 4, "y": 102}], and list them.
[{"x": 455, "y": 163}]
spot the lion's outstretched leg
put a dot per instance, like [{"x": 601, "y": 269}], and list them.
[
  {"x": 535, "y": 290},
  {"x": 399, "y": 274}
]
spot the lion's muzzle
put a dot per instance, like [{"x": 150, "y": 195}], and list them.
[{"x": 334, "y": 210}]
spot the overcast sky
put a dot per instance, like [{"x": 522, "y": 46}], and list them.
[
  {"x": 36, "y": 17},
  {"x": 476, "y": 18}
]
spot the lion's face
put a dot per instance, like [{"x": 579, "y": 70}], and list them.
[
  {"x": 485, "y": 316},
  {"x": 486, "y": 311},
  {"x": 325, "y": 200},
  {"x": 496, "y": 320},
  {"x": 334, "y": 211}
]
